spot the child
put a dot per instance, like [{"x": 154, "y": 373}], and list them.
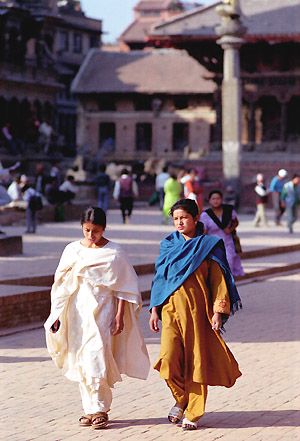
[
  {"x": 92, "y": 332},
  {"x": 193, "y": 293}
]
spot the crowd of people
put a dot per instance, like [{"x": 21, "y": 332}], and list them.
[
  {"x": 31, "y": 193},
  {"x": 285, "y": 196},
  {"x": 57, "y": 188},
  {"x": 40, "y": 134}
]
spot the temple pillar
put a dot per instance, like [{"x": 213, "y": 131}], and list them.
[{"x": 230, "y": 31}]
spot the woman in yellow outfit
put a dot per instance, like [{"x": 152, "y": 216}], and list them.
[{"x": 193, "y": 293}]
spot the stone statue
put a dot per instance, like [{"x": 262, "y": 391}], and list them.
[
  {"x": 233, "y": 3},
  {"x": 229, "y": 8}
]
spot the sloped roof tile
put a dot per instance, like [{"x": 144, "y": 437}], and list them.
[
  {"x": 261, "y": 17},
  {"x": 137, "y": 31},
  {"x": 167, "y": 71}
]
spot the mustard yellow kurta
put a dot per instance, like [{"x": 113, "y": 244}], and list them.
[{"x": 190, "y": 350}]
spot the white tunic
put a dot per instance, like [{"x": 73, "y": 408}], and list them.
[{"x": 84, "y": 295}]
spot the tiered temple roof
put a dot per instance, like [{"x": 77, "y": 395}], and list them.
[{"x": 147, "y": 14}]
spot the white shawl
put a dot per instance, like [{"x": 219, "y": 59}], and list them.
[{"x": 96, "y": 270}]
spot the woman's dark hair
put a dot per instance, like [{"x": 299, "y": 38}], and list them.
[
  {"x": 215, "y": 192},
  {"x": 94, "y": 215},
  {"x": 187, "y": 205}
]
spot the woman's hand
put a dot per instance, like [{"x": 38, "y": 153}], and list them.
[
  {"x": 153, "y": 322},
  {"x": 216, "y": 323},
  {"x": 118, "y": 324}
]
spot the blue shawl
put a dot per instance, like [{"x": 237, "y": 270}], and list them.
[{"x": 179, "y": 258}]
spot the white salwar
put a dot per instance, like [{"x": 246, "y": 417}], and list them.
[{"x": 87, "y": 284}]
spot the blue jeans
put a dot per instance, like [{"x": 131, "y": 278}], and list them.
[
  {"x": 30, "y": 220},
  {"x": 291, "y": 213},
  {"x": 103, "y": 195},
  {"x": 161, "y": 193}
]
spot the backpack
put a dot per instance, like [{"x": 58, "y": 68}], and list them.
[
  {"x": 35, "y": 203},
  {"x": 126, "y": 187}
]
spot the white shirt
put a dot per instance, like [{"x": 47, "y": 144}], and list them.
[
  {"x": 161, "y": 179},
  {"x": 68, "y": 186},
  {"x": 14, "y": 191}
]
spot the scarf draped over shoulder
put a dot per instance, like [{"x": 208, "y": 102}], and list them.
[{"x": 179, "y": 258}]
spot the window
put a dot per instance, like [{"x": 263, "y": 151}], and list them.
[
  {"x": 150, "y": 13},
  {"x": 180, "y": 136},
  {"x": 77, "y": 43},
  {"x": 181, "y": 102},
  {"x": 143, "y": 102},
  {"x": 107, "y": 137},
  {"x": 143, "y": 136},
  {"x": 63, "y": 41},
  {"x": 106, "y": 103},
  {"x": 94, "y": 41}
]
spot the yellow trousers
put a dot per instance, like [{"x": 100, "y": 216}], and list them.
[{"x": 189, "y": 396}]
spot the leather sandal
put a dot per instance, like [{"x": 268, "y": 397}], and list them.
[
  {"x": 188, "y": 425},
  {"x": 86, "y": 420},
  {"x": 175, "y": 415},
  {"x": 99, "y": 420}
]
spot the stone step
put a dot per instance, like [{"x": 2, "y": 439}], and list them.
[
  {"x": 42, "y": 280},
  {"x": 263, "y": 252},
  {"x": 10, "y": 245},
  {"x": 47, "y": 279},
  {"x": 27, "y": 300},
  {"x": 148, "y": 268},
  {"x": 146, "y": 280},
  {"x": 21, "y": 305}
]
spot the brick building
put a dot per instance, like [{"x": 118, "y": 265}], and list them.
[
  {"x": 270, "y": 62},
  {"x": 143, "y": 104}
]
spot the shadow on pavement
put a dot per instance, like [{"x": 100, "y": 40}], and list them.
[
  {"x": 6, "y": 359},
  {"x": 118, "y": 424},
  {"x": 259, "y": 418},
  {"x": 218, "y": 420}
]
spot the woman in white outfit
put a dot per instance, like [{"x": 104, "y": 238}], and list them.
[{"x": 93, "y": 332}]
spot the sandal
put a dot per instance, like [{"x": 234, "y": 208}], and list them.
[
  {"x": 189, "y": 425},
  {"x": 175, "y": 414},
  {"x": 86, "y": 420},
  {"x": 99, "y": 420}
]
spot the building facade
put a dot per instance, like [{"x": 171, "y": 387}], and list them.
[
  {"x": 270, "y": 62},
  {"x": 42, "y": 44},
  {"x": 143, "y": 104},
  {"x": 147, "y": 13}
]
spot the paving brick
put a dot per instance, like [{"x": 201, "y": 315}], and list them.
[{"x": 38, "y": 403}]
